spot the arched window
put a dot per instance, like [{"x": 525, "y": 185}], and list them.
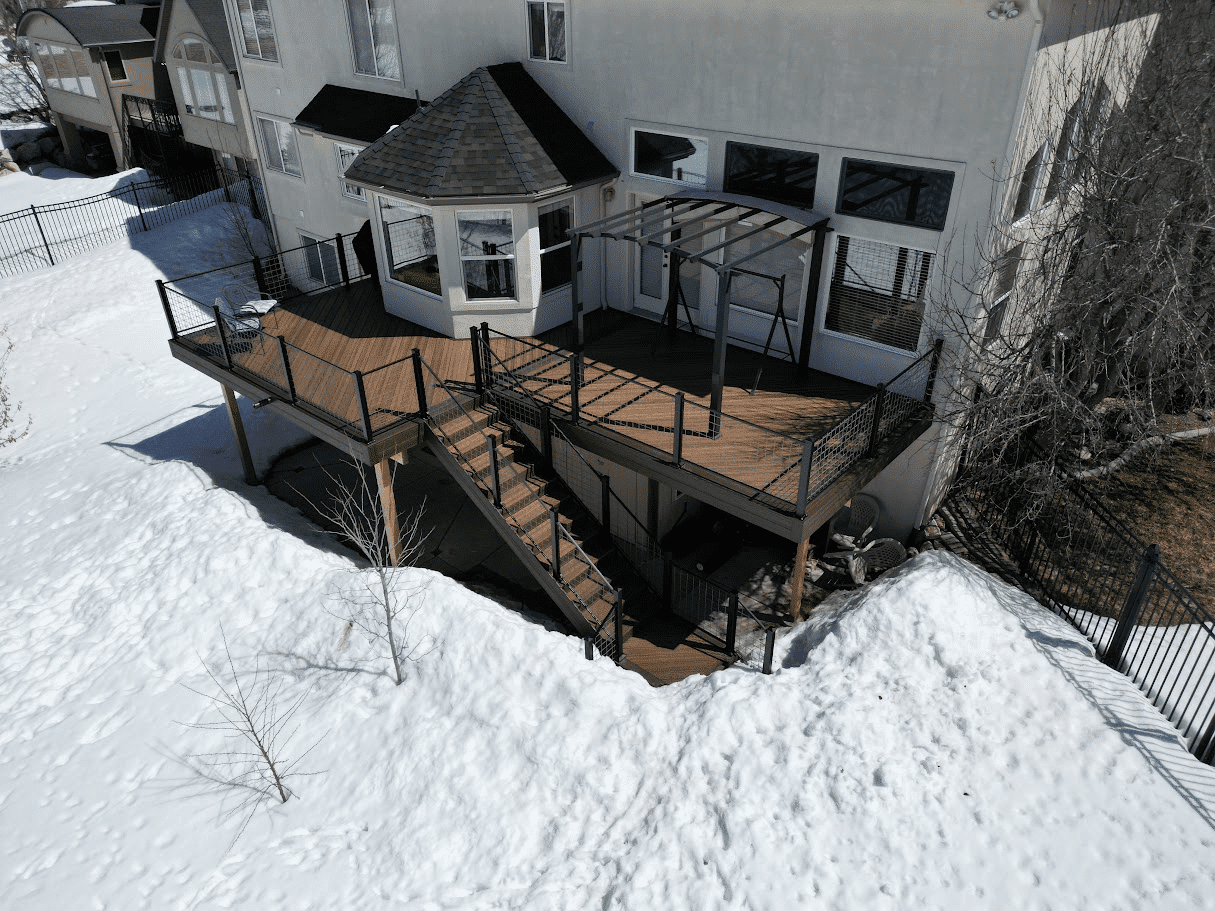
[{"x": 203, "y": 81}]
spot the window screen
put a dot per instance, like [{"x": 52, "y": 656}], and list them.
[
  {"x": 877, "y": 292},
  {"x": 886, "y": 192}
]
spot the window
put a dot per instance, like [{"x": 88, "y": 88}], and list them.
[
  {"x": 409, "y": 240},
  {"x": 487, "y": 253},
  {"x": 115, "y": 66},
  {"x": 257, "y": 30},
  {"x": 665, "y": 155},
  {"x": 373, "y": 32},
  {"x": 546, "y": 30},
  {"x": 877, "y": 292},
  {"x": 1004, "y": 278},
  {"x": 345, "y": 155},
  {"x": 204, "y": 88},
  {"x": 1079, "y": 129},
  {"x": 278, "y": 142},
  {"x": 322, "y": 259},
  {"x": 1030, "y": 186},
  {"x": 66, "y": 69},
  {"x": 887, "y": 192},
  {"x": 781, "y": 175},
  {"x": 556, "y": 219}
]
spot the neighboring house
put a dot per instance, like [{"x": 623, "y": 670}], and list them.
[
  {"x": 788, "y": 178},
  {"x": 90, "y": 58}
]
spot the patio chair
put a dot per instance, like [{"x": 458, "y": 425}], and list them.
[
  {"x": 243, "y": 308},
  {"x": 854, "y": 522}
]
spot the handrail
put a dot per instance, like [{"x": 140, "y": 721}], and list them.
[
  {"x": 880, "y": 391},
  {"x": 556, "y": 556}
]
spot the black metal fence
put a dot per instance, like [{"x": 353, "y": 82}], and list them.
[
  {"x": 1098, "y": 574},
  {"x": 42, "y": 236}
]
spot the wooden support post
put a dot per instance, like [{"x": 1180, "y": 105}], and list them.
[
  {"x": 719, "y": 353},
  {"x": 238, "y": 428},
  {"x": 388, "y": 503},
  {"x": 797, "y": 578}
]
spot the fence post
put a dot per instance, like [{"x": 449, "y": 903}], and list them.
[
  {"x": 933, "y": 365},
  {"x": 732, "y": 622},
  {"x": 769, "y": 644},
  {"x": 618, "y": 623},
  {"x": 223, "y": 339},
  {"x": 546, "y": 435},
  {"x": 487, "y": 361},
  {"x": 419, "y": 381},
  {"x": 164, "y": 302},
  {"x": 342, "y": 264},
  {"x": 575, "y": 380},
  {"x": 677, "y": 442},
  {"x": 803, "y": 478},
  {"x": 605, "y": 502},
  {"x": 495, "y": 479},
  {"x": 42, "y": 234},
  {"x": 282, "y": 351},
  {"x": 135, "y": 192},
  {"x": 1204, "y": 744},
  {"x": 1134, "y": 604},
  {"x": 588, "y": 648},
  {"x": 555, "y": 543},
  {"x": 876, "y": 430},
  {"x": 478, "y": 379},
  {"x": 260, "y": 276},
  {"x": 668, "y": 580},
  {"x": 364, "y": 413}
]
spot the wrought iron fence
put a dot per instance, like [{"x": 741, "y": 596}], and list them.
[
  {"x": 1098, "y": 574},
  {"x": 42, "y": 236}
]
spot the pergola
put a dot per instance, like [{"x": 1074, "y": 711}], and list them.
[{"x": 673, "y": 222}]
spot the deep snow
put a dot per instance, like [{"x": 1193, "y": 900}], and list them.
[{"x": 937, "y": 741}]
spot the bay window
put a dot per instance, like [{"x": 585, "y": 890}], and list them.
[{"x": 409, "y": 241}]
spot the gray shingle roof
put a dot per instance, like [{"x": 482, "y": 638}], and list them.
[
  {"x": 95, "y": 26},
  {"x": 494, "y": 133}
]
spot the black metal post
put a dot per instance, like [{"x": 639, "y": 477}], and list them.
[
  {"x": 419, "y": 381},
  {"x": 769, "y": 645},
  {"x": 933, "y": 365},
  {"x": 555, "y": 534},
  {"x": 618, "y": 623},
  {"x": 1135, "y": 599},
  {"x": 135, "y": 192},
  {"x": 164, "y": 302},
  {"x": 588, "y": 648},
  {"x": 364, "y": 414},
  {"x": 282, "y": 351},
  {"x": 677, "y": 441},
  {"x": 605, "y": 502},
  {"x": 546, "y": 435},
  {"x": 342, "y": 264},
  {"x": 732, "y": 622},
  {"x": 803, "y": 478},
  {"x": 49, "y": 255},
  {"x": 487, "y": 361},
  {"x": 810, "y": 311},
  {"x": 223, "y": 339},
  {"x": 668, "y": 581},
  {"x": 1204, "y": 746},
  {"x": 259, "y": 275},
  {"x": 476, "y": 354},
  {"x": 575, "y": 381},
  {"x": 876, "y": 430},
  {"x": 495, "y": 478}
]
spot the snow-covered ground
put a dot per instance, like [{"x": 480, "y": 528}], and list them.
[{"x": 938, "y": 741}]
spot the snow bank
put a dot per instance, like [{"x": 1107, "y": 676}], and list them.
[{"x": 937, "y": 741}]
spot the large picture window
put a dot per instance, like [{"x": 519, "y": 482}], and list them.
[
  {"x": 409, "y": 240},
  {"x": 887, "y": 192},
  {"x": 373, "y": 31},
  {"x": 682, "y": 159},
  {"x": 781, "y": 175},
  {"x": 203, "y": 86},
  {"x": 257, "y": 30},
  {"x": 556, "y": 219},
  {"x": 66, "y": 69},
  {"x": 546, "y": 30},
  {"x": 487, "y": 253},
  {"x": 278, "y": 142},
  {"x": 877, "y": 292}
]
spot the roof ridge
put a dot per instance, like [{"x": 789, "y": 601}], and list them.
[
  {"x": 498, "y": 106},
  {"x": 452, "y": 140}
]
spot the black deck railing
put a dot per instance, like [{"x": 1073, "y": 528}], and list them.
[
  {"x": 42, "y": 236},
  {"x": 1093, "y": 570}
]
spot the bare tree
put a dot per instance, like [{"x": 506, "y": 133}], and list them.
[
  {"x": 1097, "y": 330},
  {"x": 253, "y": 767},
  {"x": 384, "y": 600},
  {"x": 11, "y": 427}
]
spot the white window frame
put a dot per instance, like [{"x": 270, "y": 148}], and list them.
[
  {"x": 349, "y": 190},
  {"x": 1034, "y": 174},
  {"x": 279, "y": 125},
  {"x": 633, "y": 131},
  {"x": 548, "y": 43},
  {"x": 387, "y": 202},
  {"x": 243, "y": 36},
  {"x": 326, "y": 280},
  {"x": 210, "y": 71},
  {"x": 492, "y": 257},
  {"x": 70, "y": 59},
  {"x": 396, "y": 44},
  {"x": 552, "y": 205}
]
